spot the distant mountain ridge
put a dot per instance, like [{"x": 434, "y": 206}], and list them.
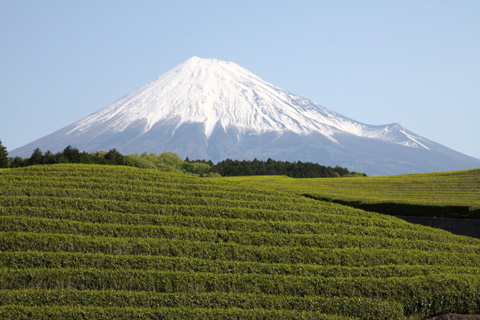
[{"x": 214, "y": 109}]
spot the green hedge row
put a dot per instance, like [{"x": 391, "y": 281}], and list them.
[
  {"x": 343, "y": 239},
  {"x": 463, "y": 302},
  {"x": 20, "y": 241},
  {"x": 298, "y": 213},
  {"x": 204, "y": 187},
  {"x": 331, "y": 223},
  {"x": 345, "y": 220},
  {"x": 39, "y": 259},
  {"x": 107, "y": 313},
  {"x": 87, "y": 171},
  {"x": 364, "y": 308},
  {"x": 138, "y": 197},
  {"x": 400, "y": 289},
  {"x": 156, "y": 195}
]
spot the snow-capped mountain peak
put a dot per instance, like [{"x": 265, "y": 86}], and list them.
[
  {"x": 214, "y": 109},
  {"x": 220, "y": 93}
]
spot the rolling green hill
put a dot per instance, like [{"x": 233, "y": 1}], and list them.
[
  {"x": 447, "y": 194},
  {"x": 103, "y": 242}
]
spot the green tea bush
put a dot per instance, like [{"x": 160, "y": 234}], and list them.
[{"x": 112, "y": 242}]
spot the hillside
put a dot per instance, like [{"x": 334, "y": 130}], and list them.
[
  {"x": 458, "y": 190},
  {"x": 91, "y": 241}
]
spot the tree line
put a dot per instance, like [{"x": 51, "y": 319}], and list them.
[
  {"x": 296, "y": 169},
  {"x": 169, "y": 161}
]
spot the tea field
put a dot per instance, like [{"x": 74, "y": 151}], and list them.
[
  {"x": 113, "y": 242},
  {"x": 443, "y": 194}
]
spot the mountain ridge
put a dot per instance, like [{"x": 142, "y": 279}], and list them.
[{"x": 209, "y": 108}]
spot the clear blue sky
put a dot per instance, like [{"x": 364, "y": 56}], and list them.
[{"x": 412, "y": 62}]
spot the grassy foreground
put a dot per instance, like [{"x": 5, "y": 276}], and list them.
[{"x": 103, "y": 242}]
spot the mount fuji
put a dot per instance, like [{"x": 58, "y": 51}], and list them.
[{"x": 214, "y": 109}]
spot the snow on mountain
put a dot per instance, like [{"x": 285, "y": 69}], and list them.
[
  {"x": 215, "y": 92},
  {"x": 208, "y": 108}
]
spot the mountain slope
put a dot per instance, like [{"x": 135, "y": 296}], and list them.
[{"x": 213, "y": 109}]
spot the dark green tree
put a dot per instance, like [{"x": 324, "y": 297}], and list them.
[
  {"x": 71, "y": 154},
  {"x": 49, "y": 158},
  {"x": 3, "y": 156},
  {"x": 36, "y": 157},
  {"x": 113, "y": 157},
  {"x": 18, "y": 162}
]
